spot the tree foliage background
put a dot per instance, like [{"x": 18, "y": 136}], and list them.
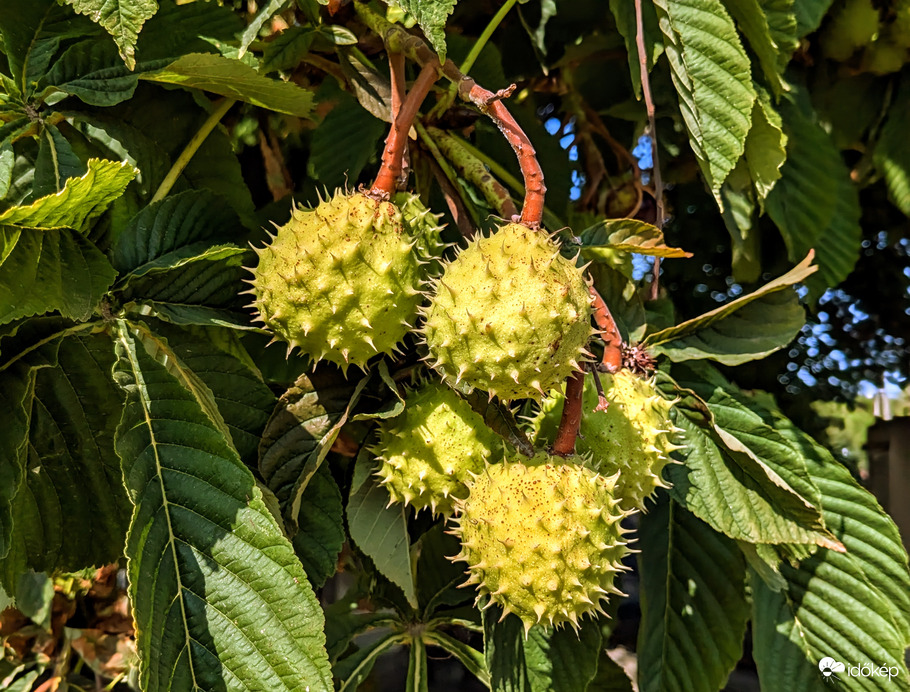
[{"x": 145, "y": 145}]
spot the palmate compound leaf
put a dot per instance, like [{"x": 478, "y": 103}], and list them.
[
  {"x": 712, "y": 76},
  {"x": 853, "y": 606},
  {"x": 220, "y": 600},
  {"x": 693, "y": 600}
]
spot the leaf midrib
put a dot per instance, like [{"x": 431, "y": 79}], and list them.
[{"x": 142, "y": 389}]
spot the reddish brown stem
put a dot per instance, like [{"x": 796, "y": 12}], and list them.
[
  {"x": 390, "y": 171},
  {"x": 612, "y": 360},
  {"x": 397, "y": 39},
  {"x": 571, "y": 416},
  {"x": 654, "y": 289},
  {"x": 396, "y": 71}
]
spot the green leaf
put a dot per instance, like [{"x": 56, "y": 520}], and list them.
[
  {"x": 32, "y": 31},
  {"x": 193, "y": 315},
  {"x": 712, "y": 482},
  {"x": 321, "y": 522},
  {"x": 79, "y": 202},
  {"x": 562, "y": 660},
  {"x": 287, "y": 49},
  {"x": 471, "y": 658},
  {"x": 765, "y": 150},
  {"x": 344, "y": 143},
  {"x": 243, "y": 400},
  {"x": 236, "y": 80},
  {"x": 738, "y": 198},
  {"x": 892, "y": 151},
  {"x": 34, "y": 597},
  {"x": 438, "y": 578},
  {"x": 56, "y": 163},
  {"x": 266, "y": 11},
  {"x": 627, "y": 235},
  {"x": 555, "y": 660},
  {"x": 93, "y": 71},
  {"x": 51, "y": 270},
  {"x": 431, "y": 15},
  {"x": 809, "y": 15},
  {"x": 744, "y": 329},
  {"x": 73, "y": 510},
  {"x": 378, "y": 529},
  {"x": 711, "y": 72},
  {"x": 756, "y": 446},
  {"x": 693, "y": 602},
  {"x": 196, "y": 219},
  {"x": 851, "y": 606},
  {"x": 503, "y": 648},
  {"x": 15, "y": 408},
  {"x": 210, "y": 278},
  {"x": 356, "y": 668},
  {"x": 610, "y": 676},
  {"x": 872, "y": 539},
  {"x": 214, "y": 167},
  {"x": 624, "y": 14},
  {"x": 122, "y": 19},
  {"x": 755, "y": 18},
  {"x": 218, "y": 595},
  {"x": 7, "y": 158},
  {"x": 301, "y": 431},
  {"x": 417, "y": 679},
  {"x": 815, "y": 204},
  {"x": 783, "y": 27}
]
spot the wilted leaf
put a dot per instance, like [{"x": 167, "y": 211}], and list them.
[{"x": 627, "y": 235}]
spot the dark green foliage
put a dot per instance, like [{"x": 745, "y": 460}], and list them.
[{"x": 146, "y": 421}]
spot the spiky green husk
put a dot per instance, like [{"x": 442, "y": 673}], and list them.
[
  {"x": 633, "y": 437},
  {"x": 425, "y": 229},
  {"x": 542, "y": 538},
  {"x": 430, "y": 450},
  {"x": 340, "y": 281},
  {"x": 510, "y": 315}
]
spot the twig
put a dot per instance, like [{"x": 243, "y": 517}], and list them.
[
  {"x": 602, "y": 403},
  {"x": 445, "y": 176},
  {"x": 652, "y": 128},
  {"x": 397, "y": 96},
  {"x": 571, "y": 416},
  {"x": 191, "y": 148},
  {"x": 612, "y": 358},
  {"x": 473, "y": 170},
  {"x": 390, "y": 171},
  {"x": 486, "y": 101}
]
